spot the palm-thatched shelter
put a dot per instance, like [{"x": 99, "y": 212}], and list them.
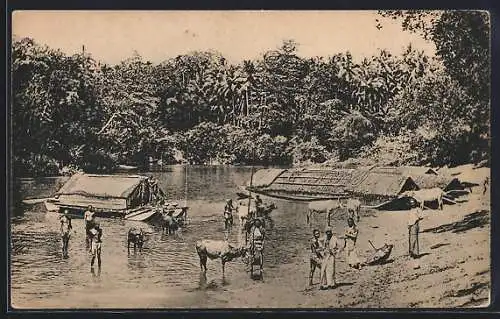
[
  {"x": 373, "y": 187},
  {"x": 106, "y": 193}
]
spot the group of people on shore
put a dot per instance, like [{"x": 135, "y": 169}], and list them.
[{"x": 324, "y": 250}]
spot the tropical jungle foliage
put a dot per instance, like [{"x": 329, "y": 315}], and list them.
[{"x": 278, "y": 109}]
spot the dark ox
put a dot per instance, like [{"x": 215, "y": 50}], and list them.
[{"x": 136, "y": 237}]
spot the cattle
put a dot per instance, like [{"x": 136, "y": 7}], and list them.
[
  {"x": 243, "y": 212},
  {"x": 323, "y": 207},
  {"x": 135, "y": 236},
  {"x": 427, "y": 195},
  {"x": 353, "y": 208},
  {"x": 217, "y": 249},
  {"x": 170, "y": 224}
]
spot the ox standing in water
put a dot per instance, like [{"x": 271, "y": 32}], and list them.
[
  {"x": 170, "y": 224},
  {"x": 66, "y": 228},
  {"x": 136, "y": 237},
  {"x": 215, "y": 249}
]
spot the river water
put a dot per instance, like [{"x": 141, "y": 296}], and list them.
[{"x": 166, "y": 274}]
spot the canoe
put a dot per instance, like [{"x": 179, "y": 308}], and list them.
[
  {"x": 380, "y": 255},
  {"x": 142, "y": 215}
]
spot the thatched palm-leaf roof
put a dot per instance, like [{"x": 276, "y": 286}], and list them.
[
  {"x": 431, "y": 181},
  {"x": 383, "y": 184},
  {"x": 265, "y": 177},
  {"x": 107, "y": 186}
]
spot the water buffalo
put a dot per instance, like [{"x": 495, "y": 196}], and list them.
[
  {"x": 136, "y": 237},
  {"x": 215, "y": 249}
]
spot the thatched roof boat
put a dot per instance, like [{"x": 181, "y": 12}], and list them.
[
  {"x": 125, "y": 196},
  {"x": 378, "y": 187}
]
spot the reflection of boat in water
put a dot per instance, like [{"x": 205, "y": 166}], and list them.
[
  {"x": 126, "y": 168},
  {"x": 133, "y": 197}
]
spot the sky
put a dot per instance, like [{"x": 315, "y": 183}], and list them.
[{"x": 112, "y": 36}]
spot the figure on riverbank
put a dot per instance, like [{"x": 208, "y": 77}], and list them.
[
  {"x": 95, "y": 244},
  {"x": 351, "y": 236},
  {"x": 66, "y": 228},
  {"x": 327, "y": 279},
  {"x": 316, "y": 258},
  {"x": 486, "y": 183},
  {"x": 414, "y": 218}
]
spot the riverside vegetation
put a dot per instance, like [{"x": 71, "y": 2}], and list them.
[{"x": 74, "y": 111}]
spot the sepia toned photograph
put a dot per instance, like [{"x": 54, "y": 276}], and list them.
[{"x": 250, "y": 159}]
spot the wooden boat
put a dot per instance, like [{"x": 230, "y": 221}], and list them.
[
  {"x": 380, "y": 255},
  {"x": 131, "y": 197}
]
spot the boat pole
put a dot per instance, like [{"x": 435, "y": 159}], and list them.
[{"x": 250, "y": 193}]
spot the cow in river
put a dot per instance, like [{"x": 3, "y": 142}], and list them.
[
  {"x": 170, "y": 224},
  {"x": 136, "y": 237},
  {"x": 215, "y": 249},
  {"x": 323, "y": 207}
]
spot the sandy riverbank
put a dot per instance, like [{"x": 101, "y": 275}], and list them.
[{"x": 454, "y": 270}]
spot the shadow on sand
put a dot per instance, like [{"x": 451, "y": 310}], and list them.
[{"x": 470, "y": 221}]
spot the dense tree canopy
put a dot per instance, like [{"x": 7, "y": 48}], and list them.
[{"x": 278, "y": 109}]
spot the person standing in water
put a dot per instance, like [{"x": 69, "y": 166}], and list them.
[
  {"x": 414, "y": 218},
  {"x": 258, "y": 206},
  {"x": 66, "y": 228},
  {"x": 95, "y": 244},
  {"x": 328, "y": 266},
  {"x": 228, "y": 214},
  {"x": 88, "y": 218}
]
